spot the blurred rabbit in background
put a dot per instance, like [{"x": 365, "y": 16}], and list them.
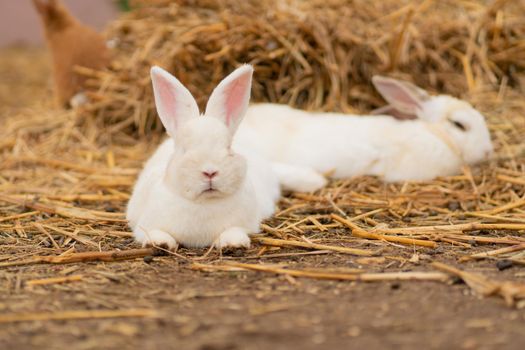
[{"x": 71, "y": 44}]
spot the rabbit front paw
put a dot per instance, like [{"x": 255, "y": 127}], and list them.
[
  {"x": 158, "y": 238},
  {"x": 233, "y": 237}
]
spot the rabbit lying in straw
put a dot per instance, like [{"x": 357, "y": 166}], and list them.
[
  {"x": 197, "y": 190},
  {"x": 441, "y": 135},
  {"x": 71, "y": 44}
]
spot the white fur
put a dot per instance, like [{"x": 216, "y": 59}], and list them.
[
  {"x": 172, "y": 203},
  {"x": 78, "y": 100},
  {"x": 233, "y": 237},
  {"x": 154, "y": 206},
  {"x": 349, "y": 145},
  {"x": 298, "y": 178}
]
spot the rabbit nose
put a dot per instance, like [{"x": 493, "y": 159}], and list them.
[{"x": 210, "y": 174}]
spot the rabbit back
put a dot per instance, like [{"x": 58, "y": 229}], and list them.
[{"x": 347, "y": 145}]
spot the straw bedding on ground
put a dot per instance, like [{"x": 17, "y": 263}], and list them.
[{"x": 65, "y": 176}]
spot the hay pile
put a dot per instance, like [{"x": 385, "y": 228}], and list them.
[
  {"x": 316, "y": 54},
  {"x": 21, "y": 75}
]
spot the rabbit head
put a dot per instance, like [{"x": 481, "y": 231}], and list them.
[
  {"x": 203, "y": 165},
  {"x": 462, "y": 125}
]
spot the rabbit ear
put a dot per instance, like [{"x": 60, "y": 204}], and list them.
[
  {"x": 393, "y": 112},
  {"x": 229, "y": 101},
  {"x": 41, "y": 6},
  {"x": 402, "y": 96},
  {"x": 175, "y": 104},
  {"x": 44, "y": 6}
]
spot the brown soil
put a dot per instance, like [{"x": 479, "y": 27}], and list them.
[
  {"x": 247, "y": 310},
  {"x": 238, "y": 310}
]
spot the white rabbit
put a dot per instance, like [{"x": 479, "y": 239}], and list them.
[
  {"x": 444, "y": 134},
  {"x": 197, "y": 190}
]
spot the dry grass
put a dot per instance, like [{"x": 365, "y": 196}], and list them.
[
  {"x": 311, "y": 54},
  {"x": 63, "y": 191},
  {"x": 65, "y": 177},
  {"x": 22, "y": 72}
]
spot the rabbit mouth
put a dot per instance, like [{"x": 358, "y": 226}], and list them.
[
  {"x": 210, "y": 191},
  {"x": 211, "y": 194}
]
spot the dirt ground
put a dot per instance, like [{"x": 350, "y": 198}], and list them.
[
  {"x": 179, "y": 307},
  {"x": 246, "y": 310}
]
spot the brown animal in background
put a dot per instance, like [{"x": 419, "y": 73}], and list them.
[{"x": 71, "y": 44}]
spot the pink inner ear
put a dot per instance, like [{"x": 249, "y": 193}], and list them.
[
  {"x": 398, "y": 95},
  {"x": 393, "y": 112},
  {"x": 235, "y": 97},
  {"x": 167, "y": 97}
]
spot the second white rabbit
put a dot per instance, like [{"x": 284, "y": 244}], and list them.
[{"x": 443, "y": 134}]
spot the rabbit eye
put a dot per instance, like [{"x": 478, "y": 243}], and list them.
[{"x": 459, "y": 125}]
